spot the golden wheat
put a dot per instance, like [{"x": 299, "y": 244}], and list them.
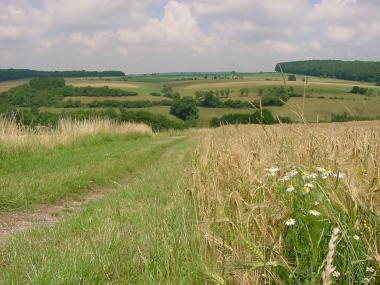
[
  {"x": 13, "y": 134},
  {"x": 238, "y": 209}
]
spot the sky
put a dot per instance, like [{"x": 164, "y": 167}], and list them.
[{"x": 145, "y": 36}]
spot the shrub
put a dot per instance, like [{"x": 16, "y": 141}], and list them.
[
  {"x": 156, "y": 121},
  {"x": 129, "y": 104},
  {"x": 43, "y": 83},
  {"x": 264, "y": 116},
  {"x": 345, "y": 117},
  {"x": 361, "y": 90},
  {"x": 209, "y": 100},
  {"x": 185, "y": 108},
  {"x": 292, "y": 77}
]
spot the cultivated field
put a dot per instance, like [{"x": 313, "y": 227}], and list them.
[
  {"x": 290, "y": 204},
  {"x": 323, "y": 96},
  {"x": 336, "y": 94}
]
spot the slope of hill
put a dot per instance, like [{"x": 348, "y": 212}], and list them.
[{"x": 349, "y": 70}]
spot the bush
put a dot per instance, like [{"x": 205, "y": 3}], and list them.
[
  {"x": 43, "y": 83},
  {"x": 361, "y": 90},
  {"x": 156, "y": 121},
  {"x": 71, "y": 104},
  {"x": 155, "y": 94},
  {"x": 292, "y": 77},
  {"x": 209, "y": 100},
  {"x": 185, "y": 108},
  {"x": 129, "y": 104},
  {"x": 345, "y": 117},
  {"x": 272, "y": 101},
  {"x": 264, "y": 116},
  {"x": 34, "y": 118}
]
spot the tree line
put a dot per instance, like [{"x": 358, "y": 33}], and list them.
[
  {"x": 13, "y": 74},
  {"x": 368, "y": 71}
]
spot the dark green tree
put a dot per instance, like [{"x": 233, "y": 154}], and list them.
[
  {"x": 185, "y": 108},
  {"x": 209, "y": 100}
]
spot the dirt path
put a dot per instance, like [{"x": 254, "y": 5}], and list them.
[
  {"x": 13, "y": 222},
  {"x": 49, "y": 214}
]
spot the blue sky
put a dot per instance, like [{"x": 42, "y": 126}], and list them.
[{"x": 141, "y": 36}]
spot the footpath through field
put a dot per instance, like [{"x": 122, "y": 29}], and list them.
[{"x": 142, "y": 231}]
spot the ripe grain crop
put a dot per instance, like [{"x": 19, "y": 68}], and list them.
[
  {"x": 269, "y": 197},
  {"x": 13, "y": 134}
]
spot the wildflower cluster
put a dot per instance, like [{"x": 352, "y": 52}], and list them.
[
  {"x": 301, "y": 182},
  {"x": 306, "y": 193}
]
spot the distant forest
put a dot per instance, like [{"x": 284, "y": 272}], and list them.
[
  {"x": 349, "y": 70},
  {"x": 12, "y": 74}
]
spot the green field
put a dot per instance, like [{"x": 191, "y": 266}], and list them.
[
  {"x": 104, "y": 242},
  {"x": 323, "y": 96}
]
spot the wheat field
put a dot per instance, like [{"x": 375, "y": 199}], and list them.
[
  {"x": 269, "y": 198},
  {"x": 13, "y": 134}
]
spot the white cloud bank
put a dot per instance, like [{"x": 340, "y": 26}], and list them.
[{"x": 161, "y": 35}]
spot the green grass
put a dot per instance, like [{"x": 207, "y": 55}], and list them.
[
  {"x": 142, "y": 233},
  {"x": 49, "y": 175}
]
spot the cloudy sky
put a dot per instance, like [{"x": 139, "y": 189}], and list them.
[{"x": 141, "y": 36}]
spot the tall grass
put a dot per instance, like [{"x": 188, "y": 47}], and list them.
[
  {"x": 13, "y": 134},
  {"x": 288, "y": 204}
]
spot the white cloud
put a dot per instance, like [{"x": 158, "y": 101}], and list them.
[
  {"x": 233, "y": 27},
  {"x": 167, "y": 35},
  {"x": 340, "y": 33},
  {"x": 96, "y": 41},
  {"x": 209, "y": 7},
  {"x": 177, "y": 27},
  {"x": 332, "y": 10},
  {"x": 279, "y": 47}
]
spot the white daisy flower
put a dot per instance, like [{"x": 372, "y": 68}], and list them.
[
  {"x": 313, "y": 175},
  {"x": 355, "y": 237},
  {"x": 273, "y": 171},
  {"x": 366, "y": 280},
  {"x": 320, "y": 169},
  {"x": 305, "y": 190},
  {"x": 285, "y": 178},
  {"x": 316, "y": 203},
  {"x": 309, "y": 185},
  {"x": 370, "y": 269},
  {"x": 290, "y": 188},
  {"x": 291, "y": 173},
  {"x": 314, "y": 213},
  {"x": 339, "y": 175},
  {"x": 290, "y": 222},
  {"x": 324, "y": 175},
  {"x": 336, "y": 274}
]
